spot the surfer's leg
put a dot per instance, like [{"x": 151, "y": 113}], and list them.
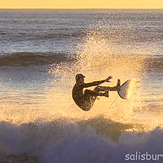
[
  {"x": 116, "y": 87},
  {"x": 102, "y": 91},
  {"x": 104, "y": 88},
  {"x": 90, "y": 97},
  {"x": 96, "y": 92}
]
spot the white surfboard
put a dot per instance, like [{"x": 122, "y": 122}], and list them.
[{"x": 126, "y": 90}]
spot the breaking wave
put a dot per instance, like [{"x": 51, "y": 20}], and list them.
[{"x": 96, "y": 140}]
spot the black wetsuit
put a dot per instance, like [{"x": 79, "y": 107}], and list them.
[{"x": 86, "y": 99}]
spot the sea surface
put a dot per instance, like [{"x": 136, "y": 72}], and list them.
[{"x": 41, "y": 51}]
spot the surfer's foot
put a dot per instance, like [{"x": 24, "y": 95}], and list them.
[
  {"x": 106, "y": 94},
  {"x": 118, "y": 83}
]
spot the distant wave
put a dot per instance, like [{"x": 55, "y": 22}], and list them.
[
  {"x": 27, "y": 58},
  {"x": 32, "y": 58},
  {"x": 154, "y": 63},
  {"x": 62, "y": 34}
]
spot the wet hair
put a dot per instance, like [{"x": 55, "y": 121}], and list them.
[{"x": 79, "y": 76}]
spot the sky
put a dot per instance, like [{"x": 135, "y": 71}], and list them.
[{"x": 76, "y": 4}]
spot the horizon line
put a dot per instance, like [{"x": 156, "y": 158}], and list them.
[{"x": 85, "y": 8}]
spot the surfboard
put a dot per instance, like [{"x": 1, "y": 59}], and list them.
[{"x": 126, "y": 90}]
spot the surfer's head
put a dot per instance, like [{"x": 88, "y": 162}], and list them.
[{"x": 79, "y": 78}]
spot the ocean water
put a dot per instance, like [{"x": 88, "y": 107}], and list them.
[{"x": 41, "y": 51}]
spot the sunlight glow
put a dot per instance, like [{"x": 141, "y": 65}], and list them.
[{"x": 86, "y": 4}]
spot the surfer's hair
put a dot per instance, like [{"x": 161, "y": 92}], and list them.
[{"x": 79, "y": 76}]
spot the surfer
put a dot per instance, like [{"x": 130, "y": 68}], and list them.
[{"x": 86, "y": 100}]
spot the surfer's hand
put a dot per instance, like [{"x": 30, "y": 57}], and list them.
[{"x": 108, "y": 79}]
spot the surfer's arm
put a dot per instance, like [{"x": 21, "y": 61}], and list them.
[{"x": 95, "y": 83}]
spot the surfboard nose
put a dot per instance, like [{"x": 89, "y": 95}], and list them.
[{"x": 126, "y": 90}]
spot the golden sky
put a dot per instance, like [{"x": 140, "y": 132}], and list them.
[{"x": 139, "y": 4}]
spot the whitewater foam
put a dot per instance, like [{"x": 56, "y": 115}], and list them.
[{"x": 72, "y": 141}]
